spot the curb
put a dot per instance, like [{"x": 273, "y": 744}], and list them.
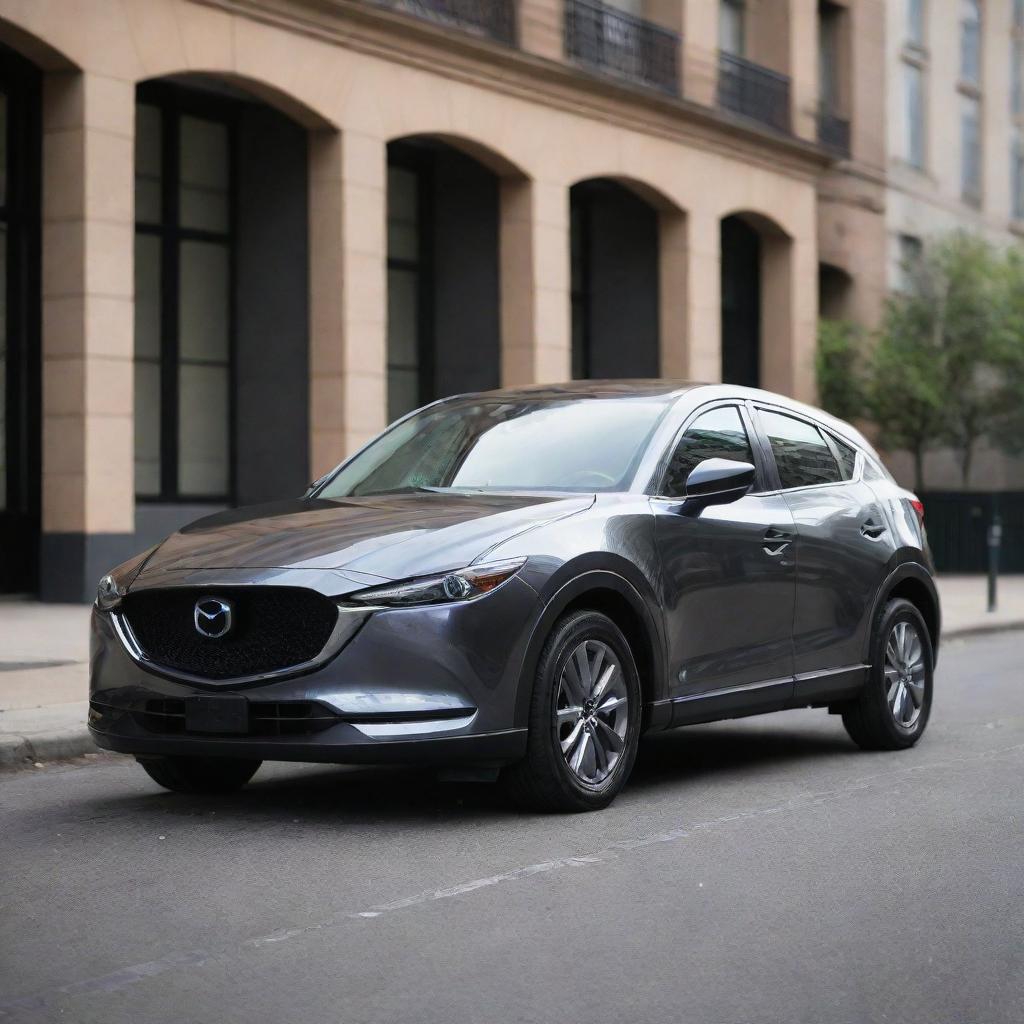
[
  {"x": 21, "y": 751},
  {"x": 18, "y": 751},
  {"x": 982, "y": 629}
]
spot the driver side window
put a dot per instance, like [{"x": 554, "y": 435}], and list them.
[{"x": 717, "y": 434}]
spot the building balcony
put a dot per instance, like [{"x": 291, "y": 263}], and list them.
[
  {"x": 495, "y": 19},
  {"x": 833, "y": 132},
  {"x": 753, "y": 91},
  {"x": 613, "y": 42}
]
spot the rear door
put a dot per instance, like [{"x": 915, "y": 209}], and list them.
[
  {"x": 728, "y": 574},
  {"x": 843, "y": 546}
]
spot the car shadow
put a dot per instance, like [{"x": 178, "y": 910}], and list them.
[
  {"x": 411, "y": 795},
  {"x": 729, "y": 750}
]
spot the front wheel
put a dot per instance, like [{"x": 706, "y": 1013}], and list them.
[
  {"x": 584, "y": 719},
  {"x": 200, "y": 774},
  {"x": 892, "y": 711}
]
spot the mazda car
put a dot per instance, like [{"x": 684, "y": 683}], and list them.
[{"x": 518, "y": 584}]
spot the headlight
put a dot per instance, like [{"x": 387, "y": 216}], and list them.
[
  {"x": 461, "y": 585},
  {"x": 108, "y": 594}
]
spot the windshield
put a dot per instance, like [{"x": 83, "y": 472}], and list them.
[{"x": 575, "y": 444}]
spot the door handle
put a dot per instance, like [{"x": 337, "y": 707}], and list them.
[
  {"x": 872, "y": 530},
  {"x": 776, "y": 541}
]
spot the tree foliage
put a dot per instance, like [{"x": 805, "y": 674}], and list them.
[{"x": 946, "y": 368}]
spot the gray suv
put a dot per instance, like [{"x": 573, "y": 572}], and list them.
[{"x": 523, "y": 582}]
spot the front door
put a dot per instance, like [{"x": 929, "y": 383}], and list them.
[
  {"x": 728, "y": 579},
  {"x": 19, "y": 323}
]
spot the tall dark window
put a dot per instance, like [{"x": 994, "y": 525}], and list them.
[
  {"x": 183, "y": 319},
  {"x": 443, "y": 332},
  {"x": 741, "y": 303},
  {"x": 614, "y": 286},
  {"x": 970, "y": 41},
  {"x": 20, "y": 162}
]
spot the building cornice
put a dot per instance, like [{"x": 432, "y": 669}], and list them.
[{"x": 367, "y": 28}]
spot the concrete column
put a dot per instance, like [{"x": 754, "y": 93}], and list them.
[
  {"x": 789, "y": 315},
  {"x": 88, "y": 489},
  {"x": 672, "y": 293},
  {"x": 803, "y": 67},
  {"x": 540, "y": 27},
  {"x": 703, "y": 306},
  {"x": 536, "y": 343},
  {"x": 996, "y": 112},
  {"x": 348, "y": 294},
  {"x": 700, "y": 51},
  {"x": 865, "y": 87}
]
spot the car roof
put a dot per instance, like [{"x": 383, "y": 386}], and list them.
[
  {"x": 641, "y": 388},
  {"x": 671, "y": 389}
]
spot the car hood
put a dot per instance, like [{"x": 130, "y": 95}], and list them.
[{"x": 391, "y": 536}]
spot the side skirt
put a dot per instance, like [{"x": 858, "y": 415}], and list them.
[{"x": 803, "y": 690}]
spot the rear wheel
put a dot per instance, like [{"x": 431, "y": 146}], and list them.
[
  {"x": 200, "y": 774},
  {"x": 584, "y": 719},
  {"x": 892, "y": 711}
]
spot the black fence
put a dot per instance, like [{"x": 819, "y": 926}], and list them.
[
  {"x": 493, "y": 18},
  {"x": 957, "y": 526},
  {"x": 618, "y": 43},
  {"x": 753, "y": 91},
  {"x": 834, "y": 132}
]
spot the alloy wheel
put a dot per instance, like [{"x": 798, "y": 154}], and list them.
[
  {"x": 905, "y": 674},
  {"x": 592, "y": 711}
]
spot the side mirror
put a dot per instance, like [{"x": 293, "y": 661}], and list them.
[{"x": 716, "y": 482}]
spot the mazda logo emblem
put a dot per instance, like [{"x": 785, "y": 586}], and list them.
[{"x": 212, "y": 617}]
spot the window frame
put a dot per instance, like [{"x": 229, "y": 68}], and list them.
[
  {"x": 762, "y": 478},
  {"x": 422, "y": 267},
  {"x": 174, "y": 103},
  {"x": 828, "y": 435},
  {"x": 915, "y": 128}
]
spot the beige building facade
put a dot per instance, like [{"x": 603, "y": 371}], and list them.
[
  {"x": 955, "y": 157},
  {"x": 242, "y": 235}
]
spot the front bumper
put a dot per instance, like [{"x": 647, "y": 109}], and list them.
[{"x": 434, "y": 683}]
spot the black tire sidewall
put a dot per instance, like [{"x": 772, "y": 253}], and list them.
[{"x": 900, "y": 610}]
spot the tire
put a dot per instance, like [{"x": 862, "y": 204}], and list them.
[
  {"x": 200, "y": 774},
  {"x": 545, "y": 780},
  {"x": 872, "y": 721}
]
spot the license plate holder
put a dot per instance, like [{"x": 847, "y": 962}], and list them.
[{"x": 217, "y": 713}]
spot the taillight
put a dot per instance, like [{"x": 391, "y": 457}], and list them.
[{"x": 918, "y": 506}]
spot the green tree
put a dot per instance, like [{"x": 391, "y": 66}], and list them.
[
  {"x": 842, "y": 388},
  {"x": 1008, "y": 428},
  {"x": 905, "y": 386},
  {"x": 935, "y": 375}
]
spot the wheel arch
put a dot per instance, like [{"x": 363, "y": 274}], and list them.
[
  {"x": 914, "y": 583},
  {"x": 611, "y": 594}
]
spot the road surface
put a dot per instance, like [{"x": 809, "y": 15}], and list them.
[{"x": 754, "y": 871}]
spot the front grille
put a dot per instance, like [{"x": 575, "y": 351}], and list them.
[
  {"x": 272, "y": 628},
  {"x": 166, "y": 716}
]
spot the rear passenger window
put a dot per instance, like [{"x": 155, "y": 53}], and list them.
[
  {"x": 847, "y": 457},
  {"x": 717, "y": 434},
  {"x": 802, "y": 455}
]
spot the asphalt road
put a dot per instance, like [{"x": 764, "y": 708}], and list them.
[{"x": 755, "y": 871}]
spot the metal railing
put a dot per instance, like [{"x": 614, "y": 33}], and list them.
[
  {"x": 614, "y": 42},
  {"x": 493, "y": 18},
  {"x": 834, "y": 132},
  {"x": 753, "y": 91}
]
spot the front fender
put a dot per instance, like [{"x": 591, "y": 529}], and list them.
[{"x": 568, "y": 588}]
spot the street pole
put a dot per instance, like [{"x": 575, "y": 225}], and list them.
[{"x": 995, "y": 536}]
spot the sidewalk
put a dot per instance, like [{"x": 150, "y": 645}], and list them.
[{"x": 44, "y": 653}]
